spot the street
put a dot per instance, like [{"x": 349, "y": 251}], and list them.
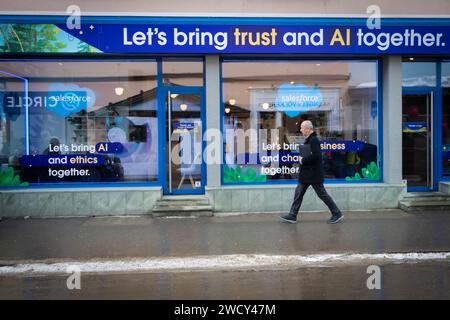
[{"x": 398, "y": 281}]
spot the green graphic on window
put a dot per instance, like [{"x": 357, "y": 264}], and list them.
[
  {"x": 8, "y": 179},
  {"x": 371, "y": 172},
  {"x": 236, "y": 175}
]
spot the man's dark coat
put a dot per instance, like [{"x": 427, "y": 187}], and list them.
[{"x": 311, "y": 170}]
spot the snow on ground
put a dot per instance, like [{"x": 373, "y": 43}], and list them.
[{"x": 221, "y": 262}]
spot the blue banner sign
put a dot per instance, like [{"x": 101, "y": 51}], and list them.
[
  {"x": 342, "y": 146},
  {"x": 414, "y": 127},
  {"x": 263, "y": 39},
  {"x": 290, "y": 157},
  {"x": 57, "y": 160},
  {"x": 184, "y": 125}
]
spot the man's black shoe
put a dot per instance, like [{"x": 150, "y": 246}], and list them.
[
  {"x": 289, "y": 218},
  {"x": 335, "y": 218}
]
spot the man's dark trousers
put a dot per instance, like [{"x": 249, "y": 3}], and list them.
[{"x": 321, "y": 193}]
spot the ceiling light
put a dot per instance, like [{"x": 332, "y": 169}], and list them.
[
  {"x": 173, "y": 95},
  {"x": 232, "y": 102},
  {"x": 183, "y": 107},
  {"x": 119, "y": 91},
  {"x": 227, "y": 110},
  {"x": 265, "y": 106}
]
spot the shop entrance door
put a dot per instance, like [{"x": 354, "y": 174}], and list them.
[
  {"x": 185, "y": 168},
  {"x": 417, "y": 128}
]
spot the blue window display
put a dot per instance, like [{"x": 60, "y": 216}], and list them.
[
  {"x": 266, "y": 101},
  {"x": 82, "y": 128}
]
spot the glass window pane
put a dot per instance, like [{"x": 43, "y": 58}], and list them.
[
  {"x": 419, "y": 74},
  {"x": 266, "y": 101},
  {"x": 183, "y": 72},
  {"x": 75, "y": 105},
  {"x": 13, "y": 100}
]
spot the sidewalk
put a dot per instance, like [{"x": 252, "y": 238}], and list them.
[{"x": 144, "y": 237}]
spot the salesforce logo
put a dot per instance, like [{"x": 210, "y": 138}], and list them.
[
  {"x": 67, "y": 99},
  {"x": 68, "y": 102},
  {"x": 295, "y": 99}
]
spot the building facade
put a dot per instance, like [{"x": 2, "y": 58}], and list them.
[{"x": 104, "y": 113}]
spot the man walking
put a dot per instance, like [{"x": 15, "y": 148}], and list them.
[{"x": 311, "y": 174}]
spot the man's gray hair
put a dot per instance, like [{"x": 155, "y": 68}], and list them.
[{"x": 307, "y": 124}]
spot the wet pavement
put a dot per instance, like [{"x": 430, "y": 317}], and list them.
[
  {"x": 117, "y": 237},
  {"x": 398, "y": 281},
  {"x": 122, "y": 238}
]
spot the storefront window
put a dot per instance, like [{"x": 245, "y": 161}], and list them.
[
  {"x": 446, "y": 118},
  {"x": 88, "y": 121},
  {"x": 264, "y": 103}
]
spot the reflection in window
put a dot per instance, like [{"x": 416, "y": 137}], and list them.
[
  {"x": 418, "y": 74},
  {"x": 265, "y": 103},
  {"x": 13, "y": 99},
  {"x": 182, "y": 72},
  {"x": 75, "y": 105}
]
